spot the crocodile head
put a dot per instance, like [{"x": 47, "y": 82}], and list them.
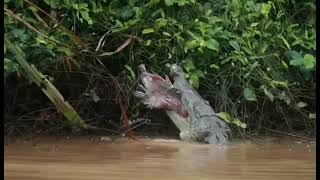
[{"x": 176, "y": 70}]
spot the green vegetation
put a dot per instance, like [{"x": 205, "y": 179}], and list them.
[{"x": 253, "y": 60}]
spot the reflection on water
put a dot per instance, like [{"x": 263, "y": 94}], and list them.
[{"x": 151, "y": 159}]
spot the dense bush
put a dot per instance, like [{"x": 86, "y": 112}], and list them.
[{"x": 254, "y": 60}]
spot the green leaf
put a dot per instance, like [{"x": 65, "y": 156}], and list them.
[
  {"x": 236, "y": 6},
  {"x": 132, "y": 74},
  {"x": 296, "y": 59},
  {"x": 312, "y": 116},
  {"x": 249, "y": 94},
  {"x": 199, "y": 73},
  {"x": 194, "y": 80},
  {"x": 283, "y": 96},
  {"x": 20, "y": 33},
  {"x": 52, "y": 4},
  {"x": 166, "y": 34},
  {"x": 212, "y": 44},
  {"x": 235, "y": 45},
  {"x": 10, "y": 66},
  {"x": 269, "y": 94},
  {"x": 161, "y": 22},
  {"x": 265, "y": 9},
  {"x": 301, "y": 104},
  {"x": 148, "y": 42},
  {"x": 83, "y": 9},
  {"x": 247, "y": 50},
  {"x": 264, "y": 48},
  {"x": 243, "y": 125},
  {"x": 294, "y": 55},
  {"x": 214, "y": 66},
  {"x": 126, "y": 12},
  {"x": 85, "y": 15},
  {"x": 275, "y": 83},
  {"x": 254, "y": 65},
  {"x": 237, "y": 122},
  {"x": 189, "y": 65},
  {"x": 225, "y": 116},
  {"x": 169, "y": 2},
  {"x": 246, "y": 75},
  {"x": 67, "y": 51},
  {"x": 284, "y": 64},
  {"x": 147, "y": 31},
  {"x": 285, "y": 42},
  {"x": 190, "y": 45},
  {"x": 154, "y": 2},
  {"x": 253, "y": 24},
  {"x": 306, "y": 62},
  {"x": 309, "y": 61},
  {"x": 41, "y": 40}
]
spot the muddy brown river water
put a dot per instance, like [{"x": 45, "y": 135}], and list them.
[{"x": 81, "y": 159}]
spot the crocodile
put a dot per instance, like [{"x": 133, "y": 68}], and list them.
[
  {"x": 203, "y": 123},
  {"x": 193, "y": 116}
]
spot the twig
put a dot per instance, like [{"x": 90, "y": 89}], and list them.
[
  {"x": 89, "y": 127},
  {"x": 123, "y": 111},
  {"x": 290, "y": 134},
  {"x": 44, "y": 12},
  {"x": 100, "y": 41},
  {"x": 41, "y": 20},
  {"x": 75, "y": 38},
  {"x": 15, "y": 16}
]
